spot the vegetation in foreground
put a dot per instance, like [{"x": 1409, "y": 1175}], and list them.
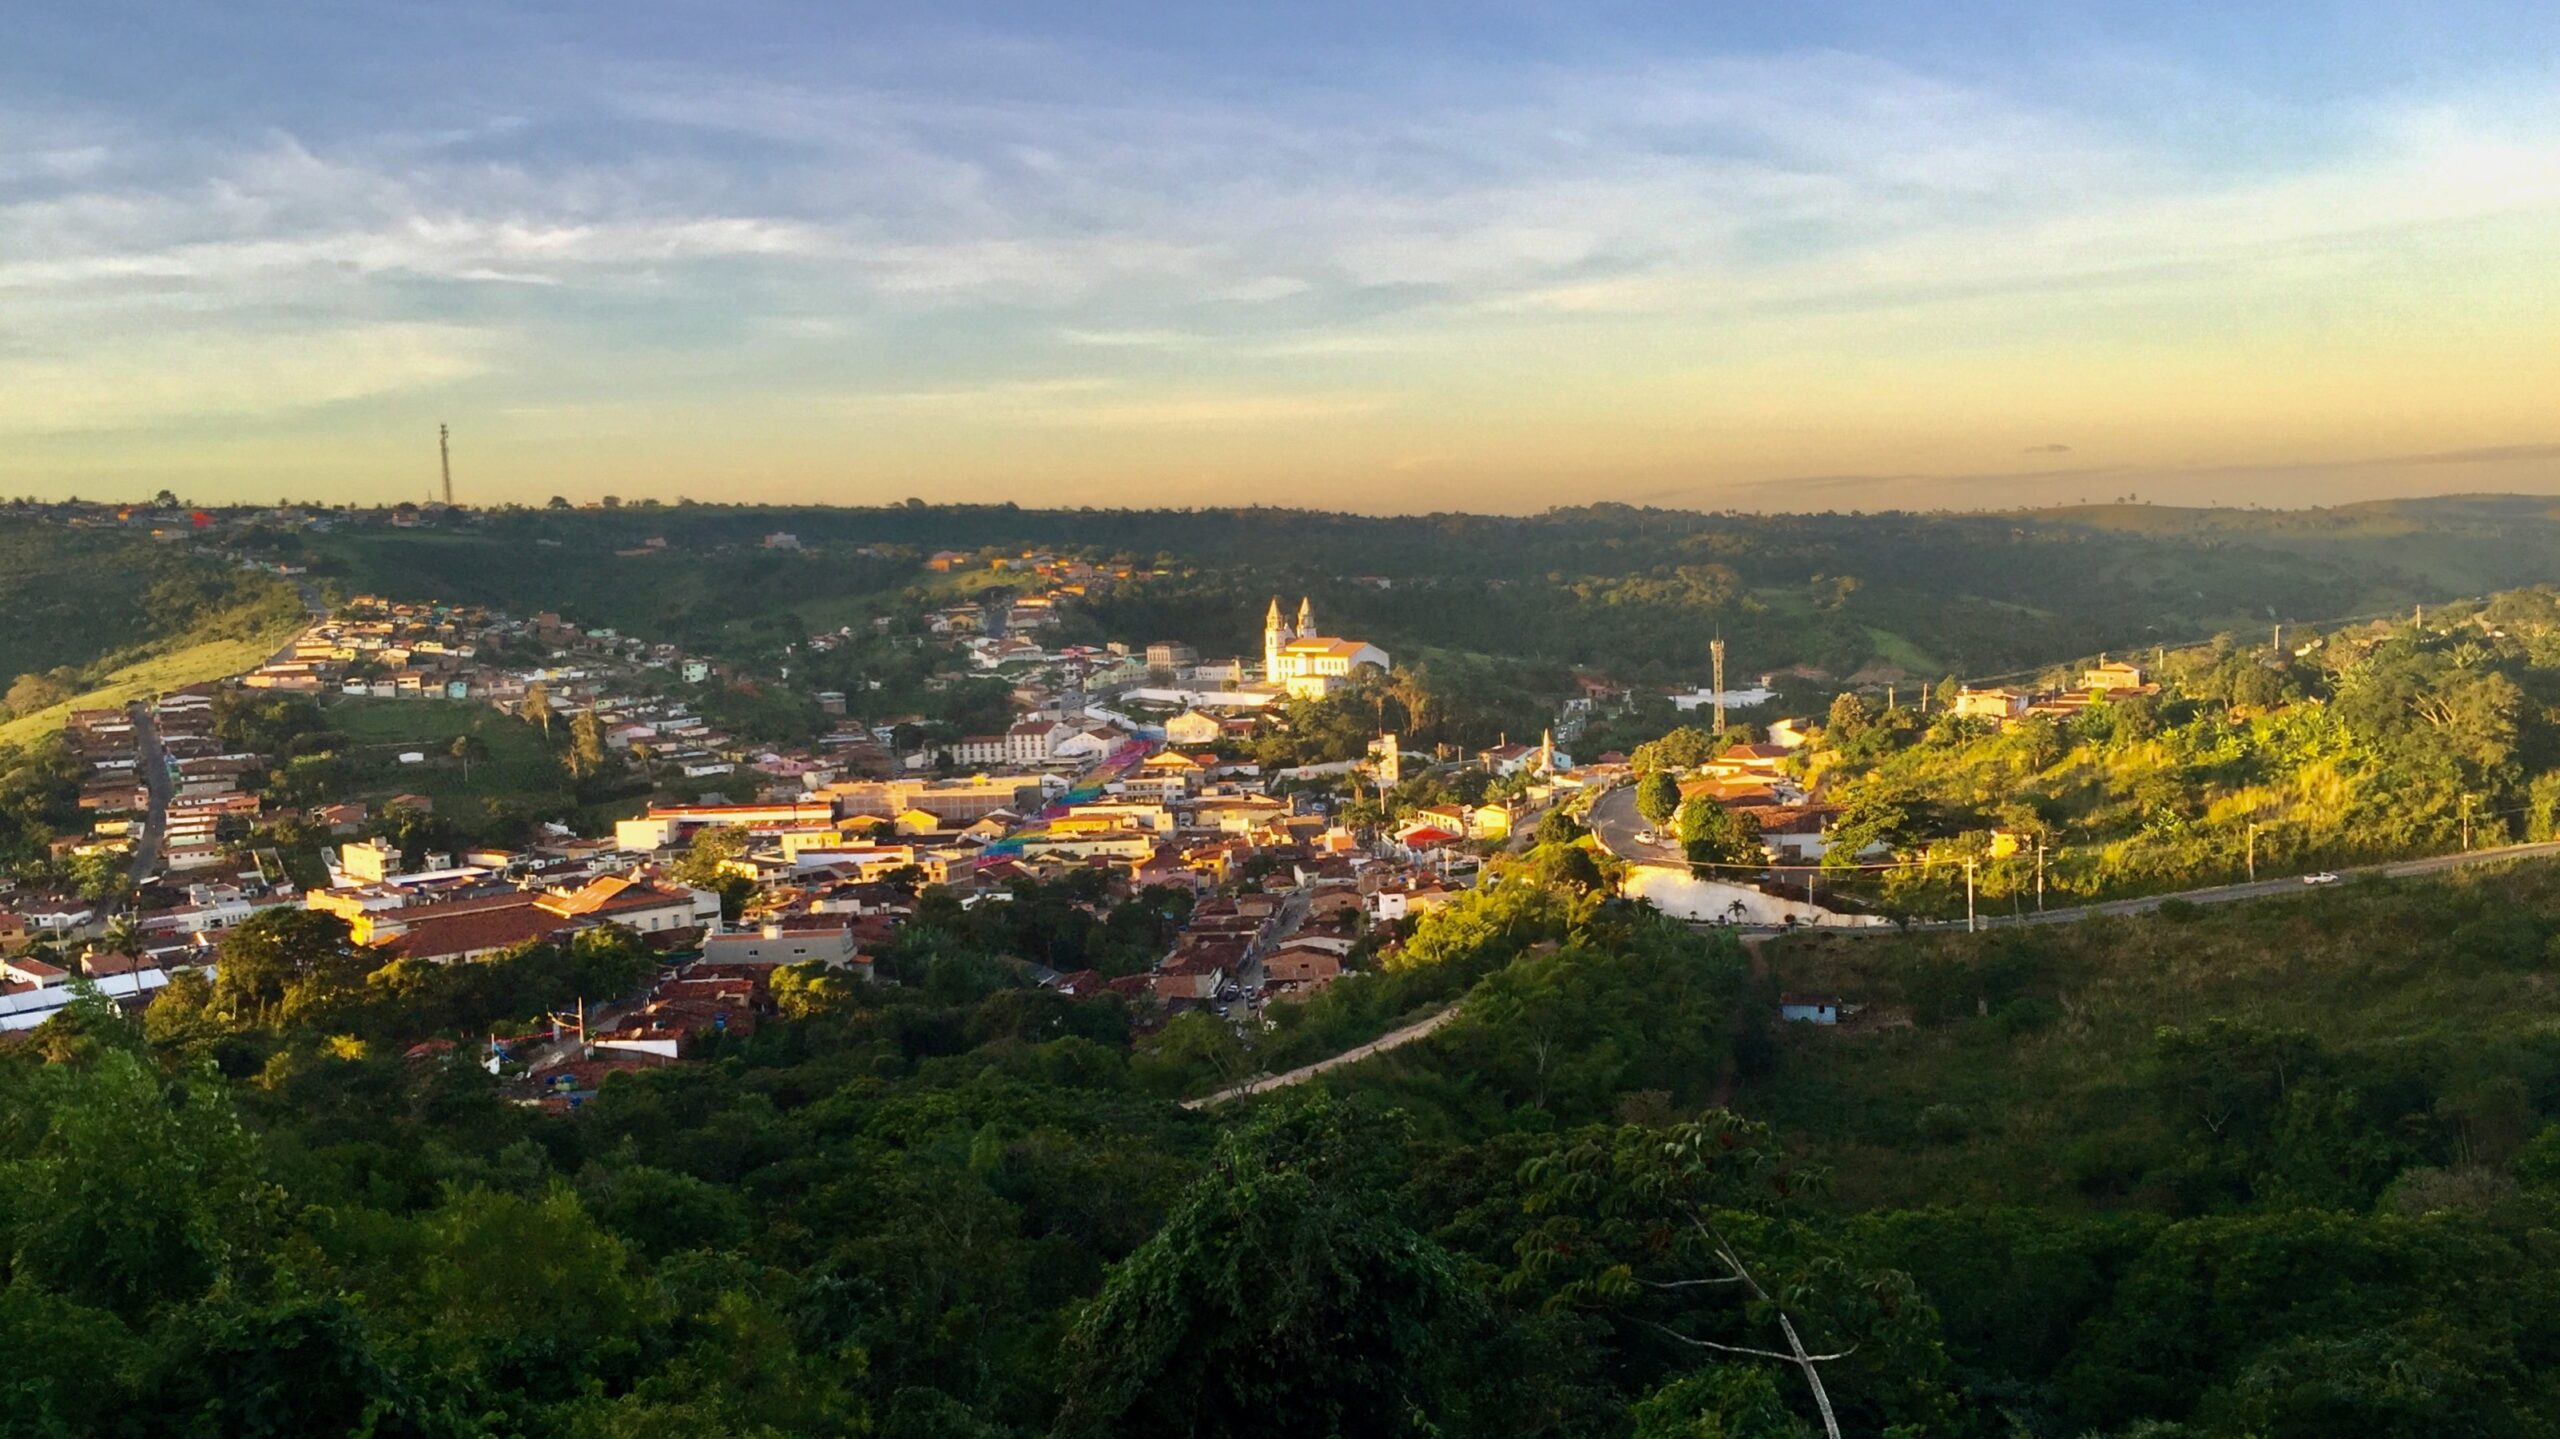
[{"x": 959, "y": 1205}]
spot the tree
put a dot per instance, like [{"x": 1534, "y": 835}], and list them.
[
  {"x": 292, "y": 960},
  {"x": 33, "y": 692},
  {"x": 1651, "y": 1224},
  {"x": 1657, "y": 797},
  {"x": 586, "y": 744},
  {"x": 1711, "y": 833},
  {"x": 537, "y": 706},
  {"x": 1284, "y": 1296},
  {"x": 466, "y": 748},
  {"x": 99, "y": 877},
  {"x": 1848, "y": 718},
  {"x": 1869, "y": 818},
  {"x": 713, "y": 847},
  {"x": 136, "y": 1194},
  {"x": 122, "y": 936}
]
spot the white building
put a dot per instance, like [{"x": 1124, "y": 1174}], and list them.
[{"x": 1309, "y": 665}]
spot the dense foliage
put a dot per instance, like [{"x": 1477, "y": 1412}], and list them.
[
  {"x": 958, "y": 1205},
  {"x": 2375, "y": 741}
]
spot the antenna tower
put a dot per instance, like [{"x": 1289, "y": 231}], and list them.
[
  {"x": 444, "y": 454},
  {"x": 1715, "y": 647}
]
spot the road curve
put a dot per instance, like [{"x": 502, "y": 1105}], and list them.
[{"x": 1616, "y": 822}]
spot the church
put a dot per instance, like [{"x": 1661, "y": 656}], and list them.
[{"x": 1309, "y": 665}]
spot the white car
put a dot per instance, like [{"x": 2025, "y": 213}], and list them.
[
  {"x": 2323, "y": 877},
  {"x": 1646, "y": 836}
]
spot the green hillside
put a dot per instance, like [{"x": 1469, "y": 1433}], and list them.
[
  {"x": 1630, "y": 591},
  {"x": 96, "y": 617}
]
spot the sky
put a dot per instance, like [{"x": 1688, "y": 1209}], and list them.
[{"x": 1390, "y": 258}]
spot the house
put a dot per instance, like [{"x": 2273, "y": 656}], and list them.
[
  {"x": 2108, "y": 675},
  {"x": 977, "y": 749},
  {"x": 33, "y": 972},
  {"x": 1087, "y": 745},
  {"x": 1033, "y": 741},
  {"x": 1193, "y": 728},
  {"x": 793, "y": 939},
  {"x": 1809, "y": 1008},
  {"x": 1391, "y": 904},
  {"x": 1995, "y": 702},
  {"x": 1299, "y": 970}
]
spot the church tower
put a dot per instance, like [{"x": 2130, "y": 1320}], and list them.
[
  {"x": 1547, "y": 752},
  {"x": 1306, "y": 616},
  {"x": 1275, "y": 633}
]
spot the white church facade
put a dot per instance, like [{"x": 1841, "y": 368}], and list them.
[{"x": 1306, "y": 664}]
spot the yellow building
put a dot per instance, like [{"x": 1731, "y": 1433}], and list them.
[{"x": 1309, "y": 665}]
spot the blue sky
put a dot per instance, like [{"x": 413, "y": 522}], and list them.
[{"x": 1399, "y": 257}]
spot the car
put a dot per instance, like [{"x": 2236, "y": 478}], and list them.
[
  {"x": 2323, "y": 877},
  {"x": 1646, "y": 836}
]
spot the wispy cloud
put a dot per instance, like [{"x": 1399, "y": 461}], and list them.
[
  {"x": 899, "y": 230},
  {"x": 194, "y": 377}
]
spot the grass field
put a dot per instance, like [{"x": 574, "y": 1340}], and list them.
[
  {"x": 2043, "y": 1040},
  {"x": 521, "y": 767},
  {"x": 192, "y": 664}
]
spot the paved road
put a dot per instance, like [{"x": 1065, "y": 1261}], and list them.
[
  {"x": 1615, "y": 822},
  {"x": 2227, "y": 893},
  {"x": 153, "y": 762},
  {"x": 1392, "y": 1039}
]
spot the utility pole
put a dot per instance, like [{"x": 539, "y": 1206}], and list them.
[
  {"x": 2279, "y": 637},
  {"x": 2466, "y": 822},
  {"x": 1715, "y": 647},
  {"x": 2039, "y": 874},
  {"x": 1968, "y": 896},
  {"x": 2253, "y": 852},
  {"x": 444, "y": 454}
]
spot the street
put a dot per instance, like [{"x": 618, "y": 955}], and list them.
[
  {"x": 153, "y": 764},
  {"x": 1615, "y": 822}
]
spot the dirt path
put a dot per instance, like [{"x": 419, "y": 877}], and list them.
[
  {"x": 1392, "y": 1039},
  {"x": 1722, "y": 1097}
]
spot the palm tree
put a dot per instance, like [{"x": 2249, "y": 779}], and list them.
[
  {"x": 122, "y": 936},
  {"x": 466, "y": 748}
]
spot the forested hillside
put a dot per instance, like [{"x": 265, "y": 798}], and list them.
[
  {"x": 76, "y": 598},
  {"x": 2375, "y": 741},
  {"x": 1636, "y": 593}
]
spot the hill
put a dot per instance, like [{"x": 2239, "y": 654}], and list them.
[
  {"x": 1630, "y": 591},
  {"x": 100, "y": 616}
]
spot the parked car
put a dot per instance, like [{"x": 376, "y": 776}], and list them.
[{"x": 2323, "y": 877}]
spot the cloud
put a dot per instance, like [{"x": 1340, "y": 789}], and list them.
[
  {"x": 1499, "y": 227},
  {"x": 1107, "y": 403},
  {"x": 1132, "y": 339},
  {"x": 199, "y": 377}
]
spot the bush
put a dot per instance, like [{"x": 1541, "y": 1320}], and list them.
[{"x": 1944, "y": 1123}]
